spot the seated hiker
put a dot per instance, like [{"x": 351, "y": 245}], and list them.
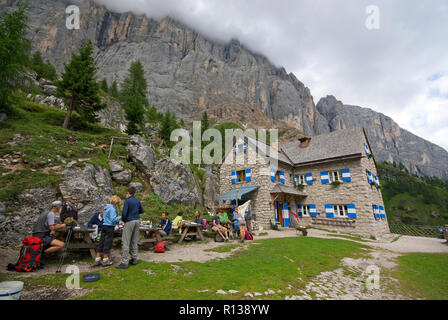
[
  {"x": 164, "y": 226},
  {"x": 96, "y": 222},
  {"x": 179, "y": 222},
  {"x": 218, "y": 227},
  {"x": 70, "y": 209},
  {"x": 45, "y": 228},
  {"x": 199, "y": 220},
  {"x": 110, "y": 220}
]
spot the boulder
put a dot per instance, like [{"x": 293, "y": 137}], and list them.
[
  {"x": 93, "y": 187},
  {"x": 174, "y": 183},
  {"x": 50, "y": 89},
  {"x": 138, "y": 186},
  {"x": 211, "y": 188},
  {"x": 18, "y": 222},
  {"x": 141, "y": 154},
  {"x": 123, "y": 177},
  {"x": 115, "y": 166}
]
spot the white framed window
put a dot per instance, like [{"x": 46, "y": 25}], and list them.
[
  {"x": 340, "y": 211},
  {"x": 335, "y": 176},
  {"x": 306, "y": 211},
  {"x": 301, "y": 180}
]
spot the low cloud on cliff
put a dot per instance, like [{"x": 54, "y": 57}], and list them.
[{"x": 400, "y": 70}]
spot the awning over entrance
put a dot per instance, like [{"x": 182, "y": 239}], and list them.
[
  {"x": 282, "y": 189},
  {"x": 236, "y": 194}
]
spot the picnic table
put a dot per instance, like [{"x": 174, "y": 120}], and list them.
[
  {"x": 80, "y": 238},
  {"x": 146, "y": 235},
  {"x": 191, "y": 229}
]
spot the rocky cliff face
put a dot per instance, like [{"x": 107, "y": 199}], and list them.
[
  {"x": 388, "y": 141},
  {"x": 186, "y": 72}
]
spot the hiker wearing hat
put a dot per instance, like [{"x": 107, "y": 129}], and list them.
[
  {"x": 45, "y": 227},
  {"x": 70, "y": 209}
]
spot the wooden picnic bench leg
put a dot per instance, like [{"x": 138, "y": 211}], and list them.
[
  {"x": 198, "y": 230},
  {"x": 184, "y": 233},
  {"x": 89, "y": 240}
]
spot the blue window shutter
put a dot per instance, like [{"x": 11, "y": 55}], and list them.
[
  {"x": 236, "y": 149},
  {"x": 286, "y": 214},
  {"x": 382, "y": 212},
  {"x": 245, "y": 147},
  {"x": 346, "y": 175},
  {"x": 368, "y": 153},
  {"x": 300, "y": 210},
  {"x": 282, "y": 177},
  {"x": 309, "y": 178},
  {"x": 313, "y": 210},
  {"x": 273, "y": 175},
  {"x": 248, "y": 175},
  {"x": 325, "y": 177},
  {"x": 351, "y": 211},
  {"x": 329, "y": 209},
  {"x": 234, "y": 177}
]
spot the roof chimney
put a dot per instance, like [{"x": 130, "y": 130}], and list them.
[{"x": 304, "y": 142}]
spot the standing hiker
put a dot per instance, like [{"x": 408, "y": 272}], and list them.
[
  {"x": 131, "y": 218},
  {"x": 45, "y": 227},
  {"x": 110, "y": 220},
  {"x": 70, "y": 209},
  {"x": 248, "y": 218}
]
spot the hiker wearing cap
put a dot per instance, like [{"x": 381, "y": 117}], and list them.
[
  {"x": 70, "y": 209},
  {"x": 45, "y": 227},
  {"x": 110, "y": 220},
  {"x": 131, "y": 217}
]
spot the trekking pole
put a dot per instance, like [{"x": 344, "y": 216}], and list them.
[{"x": 64, "y": 251}]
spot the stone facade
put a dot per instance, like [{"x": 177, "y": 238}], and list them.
[{"x": 358, "y": 192}]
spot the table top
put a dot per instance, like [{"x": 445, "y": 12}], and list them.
[
  {"x": 192, "y": 224},
  {"x": 78, "y": 229},
  {"x": 148, "y": 228}
]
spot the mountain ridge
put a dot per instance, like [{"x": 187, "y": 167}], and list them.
[{"x": 188, "y": 74}]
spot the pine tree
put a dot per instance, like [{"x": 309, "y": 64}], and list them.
[
  {"x": 43, "y": 69},
  {"x": 113, "y": 90},
  {"x": 152, "y": 115},
  {"x": 168, "y": 125},
  {"x": 133, "y": 96},
  {"x": 104, "y": 85},
  {"x": 205, "y": 124},
  {"x": 78, "y": 86},
  {"x": 14, "y": 53}
]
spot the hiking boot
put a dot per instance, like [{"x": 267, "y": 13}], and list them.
[
  {"x": 122, "y": 266},
  {"x": 107, "y": 263},
  {"x": 97, "y": 263},
  {"x": 133, "y": 262}
]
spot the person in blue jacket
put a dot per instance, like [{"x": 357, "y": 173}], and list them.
[
  {"x": 132, "y": 210},
  {"x": 97, "y": 221},
  {"x": 110, "y": 220}
]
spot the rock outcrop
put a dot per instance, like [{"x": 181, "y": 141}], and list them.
[
  {"x": 211, "y": 187},
  {"x": 18, "y": 221},
  {"x": 174, "y": 183},
  {"x": 141, "y": 154},
  {"x": 389, "y": 142},
  {"x": 92, "y": 185}
]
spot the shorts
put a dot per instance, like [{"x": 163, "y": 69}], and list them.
[
  {"x": 215, "y": 229},
  {"x": 107, "y": 238},
  {"x": 46, "y": 238},
  {"x": 241, "y": 223},
  {"x": 163, "y": 233}
]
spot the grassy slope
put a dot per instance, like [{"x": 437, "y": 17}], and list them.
[
  {"x": 411, "y": 200},
  {"x": 263, "y": 266},
  {"x": 45, "y": 140}
]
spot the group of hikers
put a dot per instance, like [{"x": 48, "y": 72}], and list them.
[{"x": 105, "y": 222}]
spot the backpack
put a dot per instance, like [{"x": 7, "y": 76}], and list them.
[
  {"x": 249, "y": 236},
  {"x": 30, "y": 255},
  {"x": 160, "y": 247}
]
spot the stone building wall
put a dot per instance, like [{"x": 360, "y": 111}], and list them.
[{"x": 358, "y": 192}]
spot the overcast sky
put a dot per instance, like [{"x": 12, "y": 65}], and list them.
[{"x": 400, "y": 70}]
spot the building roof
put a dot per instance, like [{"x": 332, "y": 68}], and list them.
[
  {"x": 270, "y": 151},
  {"x": 236, "y": 194},
  {"x": 341, "y": 143},
  {"x": 281, "y": 188}
]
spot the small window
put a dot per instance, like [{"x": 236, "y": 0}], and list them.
[
  {"x": 306, "y": 211},
  {"x": 301, "y": 179},
  {"x": 241, "y": 176},
  {"x": 335, "y": 176},
  {"x": 340, "y": 211}
]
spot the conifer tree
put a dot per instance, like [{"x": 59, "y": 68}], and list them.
[
  {"x": 14, "y": 53},
  {"x": 133, "y": 96},
  {"x": 104, "y": 85},
  {"x": 78, "y": 86},
  {"x": 113, "y": 90}
]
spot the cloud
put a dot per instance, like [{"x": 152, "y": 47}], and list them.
[{"x": 400, "y": 70}]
